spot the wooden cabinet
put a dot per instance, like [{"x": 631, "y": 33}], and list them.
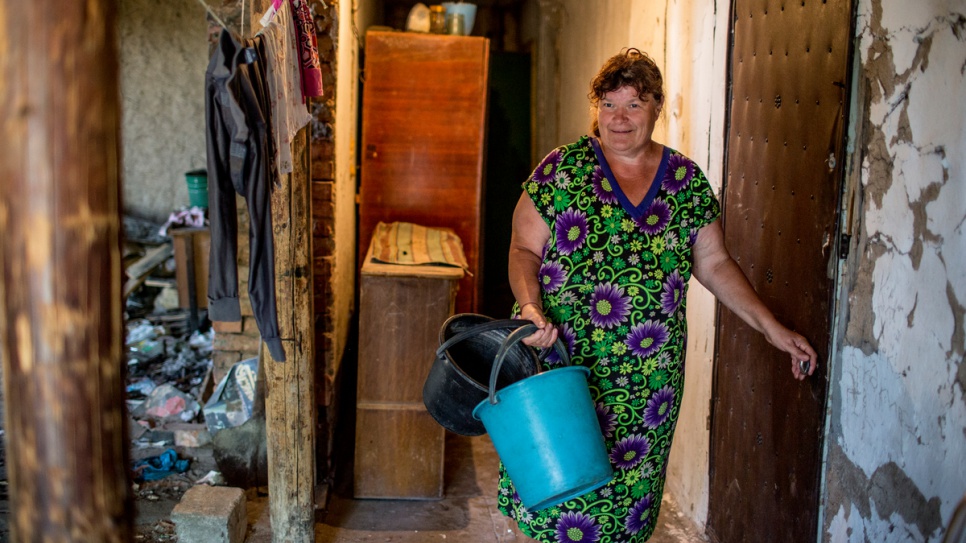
[
  {"x": 423, "y": 127},
  {"x": 399, "y": 447},
  {"x": 191, "y": 247}
]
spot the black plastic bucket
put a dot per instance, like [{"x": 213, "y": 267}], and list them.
[{"x": 458, "y": 379}]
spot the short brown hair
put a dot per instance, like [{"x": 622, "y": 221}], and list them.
[{"x": 630, "y": 67}]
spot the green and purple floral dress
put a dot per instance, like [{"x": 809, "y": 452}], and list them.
[{"x": 614, "y": 278}]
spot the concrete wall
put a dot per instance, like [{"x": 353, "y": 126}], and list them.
[
  {"x": 896, "y": 464},
  {"x": 688, "y": 40},
  {"x": 163, "y": 57}
]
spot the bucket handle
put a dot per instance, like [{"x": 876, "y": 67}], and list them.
[
  {"x": 500, "y": 324},
  {"x": 515, "y": 337}
]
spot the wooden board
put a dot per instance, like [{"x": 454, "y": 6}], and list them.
[
  {"x": 199, "y": 240},
  {"x": 290, "y": 385},
  {"x": 399, "y": 447},
  {"x": 412, "y": 467},
  {"x": 423, "y": 139}
]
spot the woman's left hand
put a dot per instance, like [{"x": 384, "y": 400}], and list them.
[
  {"x": 546, "y": 334},
  {"x": 804, "y": 357}
]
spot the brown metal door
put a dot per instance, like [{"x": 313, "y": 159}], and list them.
[{"x": 789, "y": 65}]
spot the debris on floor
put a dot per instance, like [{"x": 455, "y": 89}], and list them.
[
  {"x": 233, "y": 402},
  {"x": 168, "y": 346},
  {"x": 169, "y": 379},
  {"x": 160, "y": 466}
]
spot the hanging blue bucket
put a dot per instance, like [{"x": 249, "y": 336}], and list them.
[{"x": 545, "y": 431}]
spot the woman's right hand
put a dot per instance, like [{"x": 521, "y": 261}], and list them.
[{"x": 546, "y": 336}]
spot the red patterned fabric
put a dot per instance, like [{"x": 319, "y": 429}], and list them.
[{"x": 308, "y": 47}]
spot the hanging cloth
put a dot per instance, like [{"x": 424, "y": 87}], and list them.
[
  {"x": 289, "y": 113},
  {"x": 271, "y": 11},
  {"x": 239, "y": 162},
  {"x": 308, "y": 49}
]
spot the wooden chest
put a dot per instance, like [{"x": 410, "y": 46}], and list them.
[{"x": 399, "y": 447}]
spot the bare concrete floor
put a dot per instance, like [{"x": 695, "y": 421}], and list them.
[{"x": 467, "y": 513}]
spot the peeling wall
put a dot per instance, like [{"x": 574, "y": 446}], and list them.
[
  {"x": 688, "y": 41},
  {"x": 354, "y": 17},
  {"x": 163, "y": 57},
  {"x": 896, "y": 462}
]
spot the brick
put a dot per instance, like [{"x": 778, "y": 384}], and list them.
[
  {"x": 227, "y": 327},
  {"x": 211, "y": 514},
  {"x": 323, "y": 247},
  {"x": 250, "y": 327},
  {"x": 188, "y": 434},
  {"x": 246, "y": 307},
  {"x": 325, "y": 46},
  {"x": 234, "y": 342},
  {"x": 318, "y": 156},
  {"x": 323, "y": 170},
  {"x": 327, "y": 149},
  {"x": 322, "y": 227},
  {"x": 321, "y": 192}
]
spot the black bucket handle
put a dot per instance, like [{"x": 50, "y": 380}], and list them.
[
  {"x": 515, "y": 337},
  {"x": 499, "y": 324}
]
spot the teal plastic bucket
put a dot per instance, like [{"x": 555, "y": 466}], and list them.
[
  {"x": 197, "y": 188},
  {"x": 545, "y": 430}
]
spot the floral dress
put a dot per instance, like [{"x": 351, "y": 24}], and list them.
[{"x": 614, "y": 278}]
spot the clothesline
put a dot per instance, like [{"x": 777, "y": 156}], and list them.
[{"x": 218, "y": 19}]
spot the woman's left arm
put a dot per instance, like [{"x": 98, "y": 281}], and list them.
[{"x": 720, "y": 274}]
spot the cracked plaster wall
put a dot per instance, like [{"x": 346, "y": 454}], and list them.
[{"x": 896, "y": 463}]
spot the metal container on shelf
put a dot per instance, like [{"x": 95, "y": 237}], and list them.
[
  {"x": 455, "y": 24},
  {"x": 437, "y": 19}
]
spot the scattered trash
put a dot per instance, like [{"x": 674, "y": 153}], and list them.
[
  {"x": 159, "y": 467},
  {"x": 232, "y": 402},
  {"x": 142, "y": 330},
  {"x": 140, "y": 388},
  {"x": 213, "y": 478},
  {"x": 166, "y": 372},
  {"x": 191, "y": 217},
  {"x": 202, "y": 340},
  {"x": 167, "y": 403},
  {"x": 141, "y": 231}
]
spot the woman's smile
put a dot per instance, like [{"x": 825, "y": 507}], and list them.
[{"x": 626, "y": 120}]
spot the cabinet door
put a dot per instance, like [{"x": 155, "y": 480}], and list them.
[{"x": 423, "y": 125}]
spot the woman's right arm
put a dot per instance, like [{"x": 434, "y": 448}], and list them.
[{"x": 530, "y": 235}]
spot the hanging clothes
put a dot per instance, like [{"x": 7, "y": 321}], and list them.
[
  {"x": 289, "y": 113},
  {"x": 271, "y": 11},
  {"x": 308, "y": 49},
  {"x": 240, "y": 160}
]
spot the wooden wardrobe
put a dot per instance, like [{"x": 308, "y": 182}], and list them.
[{"x": 423, "y": 134}]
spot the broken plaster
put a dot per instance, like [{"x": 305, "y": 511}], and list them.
[
  {"x": 889, "y": 491},
  {"x": 898, "y": 423}
]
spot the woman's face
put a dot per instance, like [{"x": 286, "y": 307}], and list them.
[{"x": 626, "y": 121}]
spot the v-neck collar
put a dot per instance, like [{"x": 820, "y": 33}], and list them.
[{"x": 641, "y": 208}]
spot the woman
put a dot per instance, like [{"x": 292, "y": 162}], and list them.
[{"x": 606, "y": 235}]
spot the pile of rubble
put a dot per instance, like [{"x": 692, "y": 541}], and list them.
[
  {"x": 169, "y": 380},
  {"x": 168, "y": 349}
]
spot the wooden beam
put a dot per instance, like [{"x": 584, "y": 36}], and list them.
[
  {"x": 61, "y": 329},
  {"x": 290, "y": 401}
]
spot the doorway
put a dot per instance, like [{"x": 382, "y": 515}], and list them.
[
  {"x": 508, "y": 163},
  {"x": 783, "y": 174}
]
